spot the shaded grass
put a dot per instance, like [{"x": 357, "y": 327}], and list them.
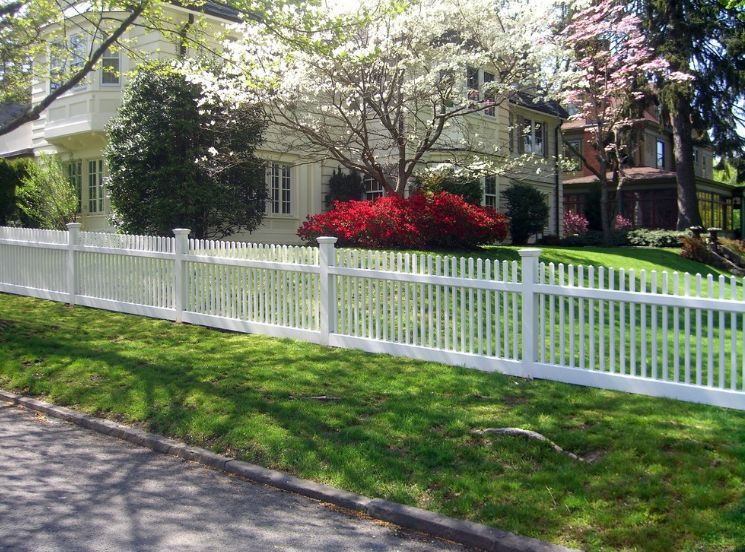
[{"x": 669, "y": 476}]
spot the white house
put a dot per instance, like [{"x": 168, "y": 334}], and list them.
[{"x": 74, "y": 128}]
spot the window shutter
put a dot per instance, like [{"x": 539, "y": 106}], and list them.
[{"x": 545, "y": 140}]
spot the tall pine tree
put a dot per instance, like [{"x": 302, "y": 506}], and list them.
[{"x": 705, "y": 38}]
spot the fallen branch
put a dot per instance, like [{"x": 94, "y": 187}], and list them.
[{"x": 517, "y": 432}]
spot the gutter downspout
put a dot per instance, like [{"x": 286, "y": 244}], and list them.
[{"x": 557, "y": 176}]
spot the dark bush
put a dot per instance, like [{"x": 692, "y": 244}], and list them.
[
  {"x": 595, "y": 238},
  {"x": 527, "y": 210},
  {"x": 655, "y": 238},
  {"x": 345, "y": 187},
  {"x": 12, "y": 173}
]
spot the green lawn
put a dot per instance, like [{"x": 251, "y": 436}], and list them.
[
  {"x": 638, "y": 258},
  {"x": 667, "y": 475}
]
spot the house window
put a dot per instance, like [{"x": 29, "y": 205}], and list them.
[
  {"x": 715, "y": 210},
  {"x": 56, "y": 66},
  {"x": 75, "y": 176},
  {"x": 533, "y": 137},
  {"x": 574, "y": 203},
  {"x": 373, "y": 188},
  {"x": 279, "y": 183},
  {"x": 526, "y": 130},
  {"x": 60, "y": 54},
  {"x": 539, "y": 130},
  {"x": 472, "y": 77},
  {"x": 573, "y": 162},
  {"x": 491, "y": 110},
  {"x": 490, "y": 192},
  {"x": 660, "y": 154},
  {"x": 110, "y": 67},
  {"x": 95, "y": 186}
]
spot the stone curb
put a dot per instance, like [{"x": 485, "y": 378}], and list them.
[{"x": 460, "y": 531}]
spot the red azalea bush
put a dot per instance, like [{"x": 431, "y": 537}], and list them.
[{"x": 442, "y": 220}]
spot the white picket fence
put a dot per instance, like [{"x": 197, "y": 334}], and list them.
[{"x": 660, "y": 334}]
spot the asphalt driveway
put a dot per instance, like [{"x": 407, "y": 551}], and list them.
[{"x": 63, "y": 487}]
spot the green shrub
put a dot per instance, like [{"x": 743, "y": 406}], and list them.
[
  {"x": 345, "y": 187},
  {"x": 527, "y": 210},
  {"x": 178, "y": 159},
  {"x": 12, "y": 173},
  {"x": 46, "y": 197},
  {"x": 595, "y": 238},
  {"x": 656, "y": 238},
  {"x": 446, "y": 179}
]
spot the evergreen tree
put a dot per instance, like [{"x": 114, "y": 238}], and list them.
[
  {"x": 705, "y": 38},
  {"x": 176, "y": 161}
]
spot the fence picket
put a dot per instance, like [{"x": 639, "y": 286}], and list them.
[{"x": 471, "y": 311}]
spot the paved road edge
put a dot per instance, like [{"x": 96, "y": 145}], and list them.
[{"x": 461, "y": 531}]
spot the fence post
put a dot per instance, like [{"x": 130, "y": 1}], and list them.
[
  {"x": 73, "y": 240},
  {"x": 179, "y": 290},
  {"x": 327, "y": 258},
  {"x": 530, "y": 308}
]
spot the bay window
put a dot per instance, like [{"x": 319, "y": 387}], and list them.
[{"x": 110, "y": 67}]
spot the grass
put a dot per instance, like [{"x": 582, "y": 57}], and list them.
[
  {"x": 667, "y": 475},
  {"x": 638, "y": 258}
]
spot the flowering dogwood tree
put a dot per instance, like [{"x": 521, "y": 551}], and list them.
[
  {"x": 611, "y": 62},
  {"x": 377, "y": 88}
]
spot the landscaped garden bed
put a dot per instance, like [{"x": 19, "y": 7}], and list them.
[{"x": 653, "y": 474}]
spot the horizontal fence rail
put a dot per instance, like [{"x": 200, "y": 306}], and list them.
[{"x": 655, "y": 333}]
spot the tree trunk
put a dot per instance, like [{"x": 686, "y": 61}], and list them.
[
  {"x": 604, "y": 218},
  {"x": 618, "y": 185},
  {"x": 680, "y": 117}
]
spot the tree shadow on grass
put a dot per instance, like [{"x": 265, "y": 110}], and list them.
[{"x": 401, "y": 428}]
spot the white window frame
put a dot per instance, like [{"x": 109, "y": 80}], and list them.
[
  {"x": 491, "y": 199},
  {"x": 280, "y": 192},
  {"x": 75, "y": 176},
  {"x": 475, "y": 81},
  {"x": 95, "y": 186},
  {"x": 373, "y": 188},
  {"x": 528, "y": 142},
  {"x": 76, "y": 47},
  {"x": 109, "y": 56}
]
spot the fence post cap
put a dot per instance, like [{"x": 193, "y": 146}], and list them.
[
  {"x": 327, "y": 239},
  {"x": 181, "y": 231},
  {"x": 72, "y": 225},
  {"x": 531, "y": 252}
]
